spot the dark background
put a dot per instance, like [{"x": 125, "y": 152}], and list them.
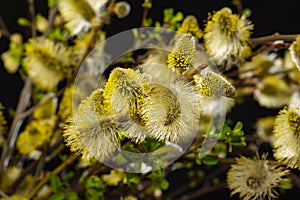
[{"x": 268, "y": 17}]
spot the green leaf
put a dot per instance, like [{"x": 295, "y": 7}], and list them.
[
  {"x": 24, "y": 22},
  {"x": 94, "y": 182},
  {"x": 286, "y": 184},
  {"x": 94, "y": 194},
  {"x": 198, "y": 156},
  {"x": 238, "y": 127},
  {"x": 147, "y": 4},
  {"x": 178, "y": 17},
  {"x": 72, "y": 196},
  {"x": 211, "y": 131},
  {"x": 157, "y": 173},
  {"x": 210, "y": 160},
  {"x": 164, "y": 184},
  {"x": 55, "y": 183},
  {"x": 247, "y": 12},
  {"x": 58, "y": 34},
  {"x": 51, "y": 3},
  {"x": 58, "y": 196},
  {"x": 135, "y": 33},
  {"x": 132, "y": 178}
]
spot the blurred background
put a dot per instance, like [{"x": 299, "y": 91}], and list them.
[{"x": 267, "y": 16}]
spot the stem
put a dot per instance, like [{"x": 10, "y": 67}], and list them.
[
  {"x": 4, "y": 30},
  {"x": 201, "y": 181},
  {"x": 239, "y": 7},
  {"x": 15, "y": 126},
  {"x": 57, "y": 170},
  {"x": 203, "y": 191},
  {"x": 144, "y": 16},
  {"x": 32, "y": 16},
  {"x": 30, "y": 110},
  {"x": 51, "y": 16},
  {"x": 296, "y": 180},
  {"x": 2, "y": 194},
  {"x": 273, "y": 37}
]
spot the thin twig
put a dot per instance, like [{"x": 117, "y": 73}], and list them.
[
  {"x": 32, "y": 16},
  {"x": 205, "y": 190},
  {"x": 15, "y": 126},
  {"x": 3, "y": 194},
  {"x": 3, "y": 28},
  {"x": 183, "y": 189},
  {"x": 57, "y": 170},
  {"x": 296, "y": 180},
  {"x": 33, "y": 108},
  {"x": 52, "y": 13},
  {"x": 239, "y": 7},
  {"x": 273, "y": 37},
  {"x": 145, "y": 14}
]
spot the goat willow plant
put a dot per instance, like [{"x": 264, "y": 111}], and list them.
[{"x": 56, "y": 143}]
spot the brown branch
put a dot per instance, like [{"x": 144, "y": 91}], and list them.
[
  {"x": 31, "y": 109},
  {"x": 15, "y": 126},
  {"x": 239, "y": 7},
  {"x": 2, "y": 194},
  {"x": 296, "y": 180},
  {"x": 145, "y": 14},
  {"x": 272, "y": 38},
  {"x": 3, "y": 28},
  {"x": 183, "y": 189},
  {"x": 57, "y": 170},
  {"x": 32, "y": 16},
  {"x": 205, "y": 190},
  {"x": 51, "y": 16}
]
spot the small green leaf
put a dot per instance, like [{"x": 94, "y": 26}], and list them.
[
  {"x": 72, "y": 196},
  {"x": 132, "y": 178},
  {"x": 147, "y": 4},
  {"x": 178, "y": 17},
  {"x": 238, "y": 127},
  {"x": 94, "y": 182},
  {"x": 51, "y": 3},
  {"x": 135, "y": 33},
  {"x": 24, "y": 22},
  {"x": 286, "y": 184},
  {"x": 211, "y": 131},
  {"x": 210, "y": 160},
  {"x": 247, "y": 12},
  {"x": 55, "y": 183},
  {"x": 94, "y": 194},
  {"x": 58, "y": 196},
  {"x": 164, "y": 184}
]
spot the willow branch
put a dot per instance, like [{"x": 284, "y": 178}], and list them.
[
  {"x": 296, "y": 180},
  {"x": 183, "y": 189},
  {"x": 239, "y": 7},
  {"x": 145, "y": 14},
  {"x": 52, "y": 12},
  {"x": 15, "y": 126},
  {"x": 273, "y": 37},
  {"x": 2, "y": 194},
  {"x": 57, "y": 170},
  {"x": 203, "y": 191},
  {"x": 32, "y": 16},
  {"x": 30, "y": 110},
  {"x": 3, "y": 28}
]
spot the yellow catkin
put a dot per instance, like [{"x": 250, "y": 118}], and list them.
[{"x": 183, "y": 55}]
